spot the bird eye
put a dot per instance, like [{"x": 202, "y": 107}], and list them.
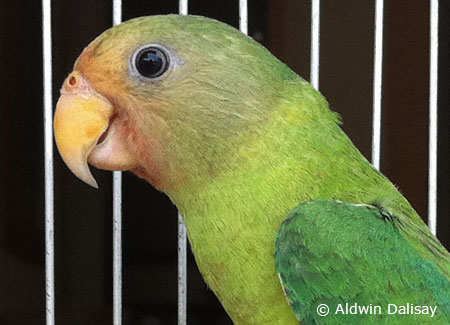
[{"x": 151, "y": 62}]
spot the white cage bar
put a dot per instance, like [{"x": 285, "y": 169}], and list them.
[
  {"x": 182, "y": 271},
  {"x": 48, "y": 162},
  {"x": 315, "y": 43},
  {"x": 433, "y": 122},
  {"x": 377, "y": 84},
  {"x": 117, "y": 248},
  {"x": 243, "y": 16},
  {"x": 183, "y": 7}
]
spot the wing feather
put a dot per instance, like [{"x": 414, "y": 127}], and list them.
[{"x": 336, "y": 253}]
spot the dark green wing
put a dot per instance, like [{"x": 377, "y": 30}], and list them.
[{"x": 350, "y": 257}]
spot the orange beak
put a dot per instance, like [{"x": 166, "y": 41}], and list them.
[
  {"x": 86, "y": 130},
  {"x": 81, "y": 117}
]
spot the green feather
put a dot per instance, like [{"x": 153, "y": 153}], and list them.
[{"x": 335, "y": 253}]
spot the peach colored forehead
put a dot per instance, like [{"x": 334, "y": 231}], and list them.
[{"x": 104, "y": 64}]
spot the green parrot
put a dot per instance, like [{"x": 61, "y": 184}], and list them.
[{"x": 287, "y": 220}]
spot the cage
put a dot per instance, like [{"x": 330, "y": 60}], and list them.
[{"x": 357, "y": 78}]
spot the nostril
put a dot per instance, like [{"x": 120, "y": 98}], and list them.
[{"x": 72, "y": 81}]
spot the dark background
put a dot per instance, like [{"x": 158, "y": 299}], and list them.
[{"x": 83, "y": 224}]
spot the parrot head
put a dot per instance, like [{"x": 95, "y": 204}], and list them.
[{"x": 167, "y": 97}]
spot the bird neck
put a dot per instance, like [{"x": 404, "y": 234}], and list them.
[{"x": 293, "y": 142}]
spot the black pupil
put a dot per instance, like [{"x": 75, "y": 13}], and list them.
[{"x": 151, "y": 63}]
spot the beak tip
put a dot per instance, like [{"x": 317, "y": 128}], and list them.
[
  {"x": 88, "y": 179},
  {"x": 94, "y": 184},
  {"x": 82, "y": 172}
]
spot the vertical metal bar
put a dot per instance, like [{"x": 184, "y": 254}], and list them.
[
  {"x": 117, "y": 215},
  {"x": 243, "y": 16},
  {"x": 433, "y": 123},
  {"x": 117, "y": 248},
  {"x": 48, "y": 162},
  {"x": 117, "y": 12},
  {"x": 315, "y": 43},
  {"x": 377, "y": 83},
  {"x": 182, "y": 238},
  {"x": 182, "y": 271},
  {"x": 183, "y": 7}
]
